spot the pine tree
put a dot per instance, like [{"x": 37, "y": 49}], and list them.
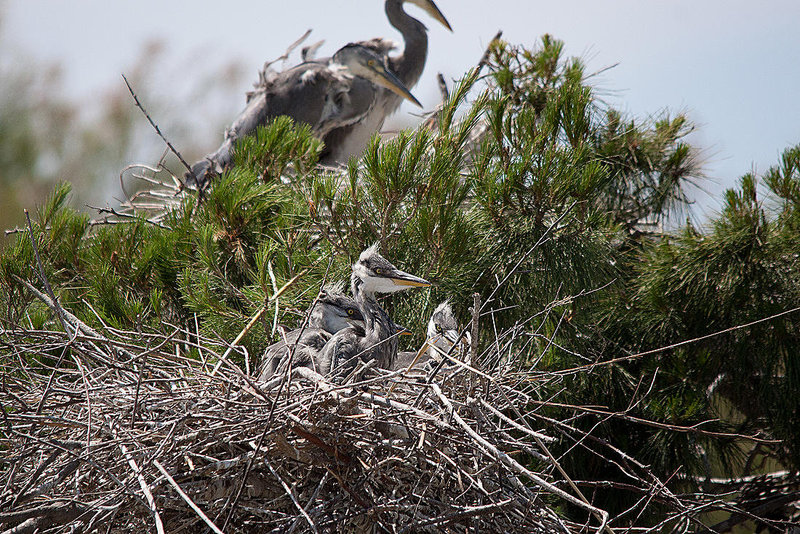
[{"x": 529, "y": 192}]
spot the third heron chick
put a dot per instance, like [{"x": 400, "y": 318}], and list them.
[{"x": 442, "y": 334}]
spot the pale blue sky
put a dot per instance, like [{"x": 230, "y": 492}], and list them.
[{"x": 733, "y": 66}]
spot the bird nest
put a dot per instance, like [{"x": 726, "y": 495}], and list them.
[{"x": 124, "y": 431}]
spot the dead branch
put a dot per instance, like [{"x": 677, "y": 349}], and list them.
[{"x": 155, "y": 126}]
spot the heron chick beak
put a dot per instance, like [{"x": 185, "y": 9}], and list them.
[
  {"x": 385, "y": 78},
  {"x": 403, "y": 331},
  {"x": 402, "y": 278}
]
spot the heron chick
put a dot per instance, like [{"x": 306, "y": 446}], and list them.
[
  {"x": 331, "y": 313},
  {"x": 324, "y": 95},
  {"x": 372, "y": 274},
  {"x": 442, "y": 334}
]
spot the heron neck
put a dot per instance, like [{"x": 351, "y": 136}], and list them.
[
  {"x": 377, "y": 324},
  {"x": 375, "y": 318},
  {"x": 408, "y": 66}
]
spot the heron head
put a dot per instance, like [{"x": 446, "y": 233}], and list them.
[
  {"x": 430, "y": 8},
  {"x": 377, "y": 275},
  {"x": 442, "y": 320},
  {"x": 338, "y": 311},
  {"x": 363, "y": 62},
  {"x": 443, "y": 326}
]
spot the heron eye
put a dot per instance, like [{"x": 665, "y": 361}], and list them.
[
  {"x": 350, "y": 311},
  {"x": 378, "y": 270},
  {"x": 371, "y": 62},
  {"x": 439, "y": 328}
]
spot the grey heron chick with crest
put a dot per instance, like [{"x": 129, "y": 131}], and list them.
[
  {"x": 351, "y": 139},
  {"x": 442, "y": 334},
  {"x": 332, "y": 312},
  {"x": 372, "y": 274},
  {"x": 324, "y": 95}
]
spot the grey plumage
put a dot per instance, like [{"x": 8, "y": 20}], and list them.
[
  {"x": 443, "y": 327},
  {"x": 331, "y": 313},
  {"x": 442, "y": 334},
  {"x": 323, "y": 94},
  {"x": 351, "y": 139}
]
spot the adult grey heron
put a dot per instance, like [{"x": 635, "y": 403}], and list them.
[
  {"x": 351, "y": 139},
  {"x": 324, "y": 95},
  {"x": 372, "y": 274},
  {"x": 331, "y": 313},
  {"x": 442, "y": 334}
]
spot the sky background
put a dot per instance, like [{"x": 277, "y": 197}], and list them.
[{"x": 732, "y": 66}]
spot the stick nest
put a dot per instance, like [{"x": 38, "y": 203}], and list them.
[{"x": 109, "y": 430}]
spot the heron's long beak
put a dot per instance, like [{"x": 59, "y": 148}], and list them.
[
  {"x": 385, "y": 78},
  {"x": 431, "y": 9},
  {"x": 402, "y": 330},
  {"x": 402, "y": 278}
]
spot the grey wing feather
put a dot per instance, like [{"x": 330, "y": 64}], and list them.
[
  {"x": 338, "y": 352},
  {"x": 306, "y": 347},
  {"x": 299, "y": 92}
]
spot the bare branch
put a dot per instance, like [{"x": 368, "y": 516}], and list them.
[{"x": 155, "y": 126}]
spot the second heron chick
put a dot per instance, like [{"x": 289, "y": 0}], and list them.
[{"x": 333, "y": 311}]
